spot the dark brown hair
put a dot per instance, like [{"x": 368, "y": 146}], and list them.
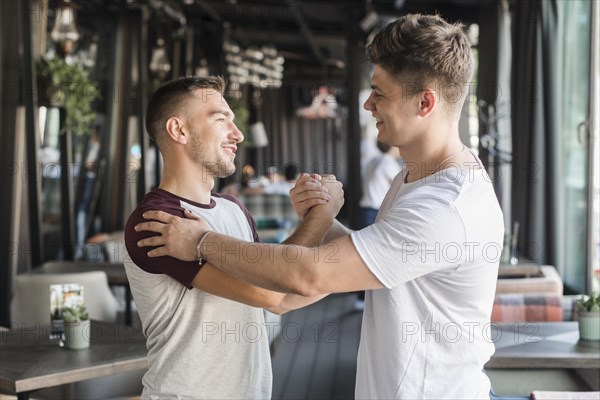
[
  {"x": 167, "y": 99},
  {"x": 421, "y": 50}
]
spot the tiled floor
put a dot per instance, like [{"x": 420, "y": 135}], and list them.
[{"x": 315, "y": 356}]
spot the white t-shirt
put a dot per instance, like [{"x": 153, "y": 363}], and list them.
[
  {"x": 380, "y": 173},
  {"x": 436, "y": 247}
]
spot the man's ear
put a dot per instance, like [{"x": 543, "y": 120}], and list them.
[
  {"x": 427, "y": 102},
  {"x": 175, "y": 130}
]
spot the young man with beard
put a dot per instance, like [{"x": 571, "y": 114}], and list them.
[
  {"x": 205, "y": 330},
  {"x": 429, "y": 263}
]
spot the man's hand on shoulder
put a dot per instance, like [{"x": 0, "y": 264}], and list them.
[{"x": 178, "y": 236}]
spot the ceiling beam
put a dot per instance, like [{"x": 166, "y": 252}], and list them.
[
  {"x": 295, "y": 9},
  {"x": 261, "y": 36},
  {"x": 209, "y": 10}
]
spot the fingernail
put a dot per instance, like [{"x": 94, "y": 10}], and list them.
[
  {"x": 135, "y": 228},
  {"x": 325, "y": 190},
  {"x": 139, "y": 243},
  {"x": 328, "y": 197}
]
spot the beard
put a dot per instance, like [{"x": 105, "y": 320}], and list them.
[{"x": 218, "y": 167}]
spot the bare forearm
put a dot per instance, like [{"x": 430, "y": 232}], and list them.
[
  {"x": 287, "y": 268},
  {"x": 312, "y": 231},
  {"x": 273, "y": 267},
  {"x": 293, "y": 302},
  {"x": 214, "y": 281}
]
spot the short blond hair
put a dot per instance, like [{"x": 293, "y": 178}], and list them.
[{"x": 421, "y": 50}]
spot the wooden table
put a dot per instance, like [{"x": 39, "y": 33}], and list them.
[
  {"x": 115, "y": 274},
  {"x": 539, "y": 345},
  {"x": 31, "y": 361},
  {"x": 524, "y": 270}
]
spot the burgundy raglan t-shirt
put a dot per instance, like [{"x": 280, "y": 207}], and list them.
[{"x": 199, "y": 345}]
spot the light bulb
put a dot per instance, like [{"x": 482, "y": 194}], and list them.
[
  {"x": 65, "y": 32},
  {"x": 159, "y": 63}
]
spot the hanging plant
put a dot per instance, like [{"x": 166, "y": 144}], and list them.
[{"x": 69, "y": 86}]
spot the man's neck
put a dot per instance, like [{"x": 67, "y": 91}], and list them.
[
  {"x": 191, "y": 183},
  {"x": 427, "y": 156}
]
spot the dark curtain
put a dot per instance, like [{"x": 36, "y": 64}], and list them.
[
  {"x": 535, "y": 128},
  {"x": 9, "y": 73},
  {"x": 494, "y": 99}
]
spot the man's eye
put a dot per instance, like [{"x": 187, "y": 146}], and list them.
[{"x": 221, "y": 119}]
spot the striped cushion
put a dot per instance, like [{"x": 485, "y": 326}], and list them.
[{"x": 518, "y": 307}]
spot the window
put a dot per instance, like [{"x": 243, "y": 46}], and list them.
[{"x": 574, "y": 100}]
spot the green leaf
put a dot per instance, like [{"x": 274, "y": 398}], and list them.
[
  {"x": 76, "y": 313},
  {"x": 72, "y": 89}
]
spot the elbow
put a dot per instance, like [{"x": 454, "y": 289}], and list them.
[
  {"x": 272, "y": 300},
  {"x": 277, "y": 310},
  {"x": 307, "y": 290},
  {"x": 305, "y": 280}
]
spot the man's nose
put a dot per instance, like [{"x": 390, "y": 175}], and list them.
[
  {"x": 236, "y": 133},
  {"x": 369, "y": 104}
]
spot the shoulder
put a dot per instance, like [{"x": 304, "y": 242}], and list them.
[
  {"x": 154, "y": 200},
  {"x": 234, "y": 200},
  {"x": 440, "y": 189},
  {"x": 231, "y": 198},
  {"x": 427, "y": 207}
]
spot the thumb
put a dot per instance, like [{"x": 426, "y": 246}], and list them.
[{"x": 190, "y": 215}]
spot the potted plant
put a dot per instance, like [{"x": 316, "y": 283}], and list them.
[
  {"x": 68, "y": 86},
  {"x": 77, "y": 326},
  {"x": 588, "y": 310}
]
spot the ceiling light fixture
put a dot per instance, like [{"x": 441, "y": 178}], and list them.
[
  {"x": 65, "y": 32},
  {"x": 159, "y": 62}
]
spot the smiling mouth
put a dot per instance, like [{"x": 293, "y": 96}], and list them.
[{"x": 231, "y": 149}]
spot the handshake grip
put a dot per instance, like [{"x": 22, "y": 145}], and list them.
[{"x": 315, "y": 190}]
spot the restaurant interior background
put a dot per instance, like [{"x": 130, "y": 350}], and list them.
[{"x": 77, "y": 75}]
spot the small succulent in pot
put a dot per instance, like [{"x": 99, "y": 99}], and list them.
[
  {"x": 588, "y": 310},
  {"x": 75, "y": 313},
  {"x": 588, "y": 304}
]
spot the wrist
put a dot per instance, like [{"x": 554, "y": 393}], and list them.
[
  {"x": 201, "y": 239},
  {"x": 321, "y": 214}
]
